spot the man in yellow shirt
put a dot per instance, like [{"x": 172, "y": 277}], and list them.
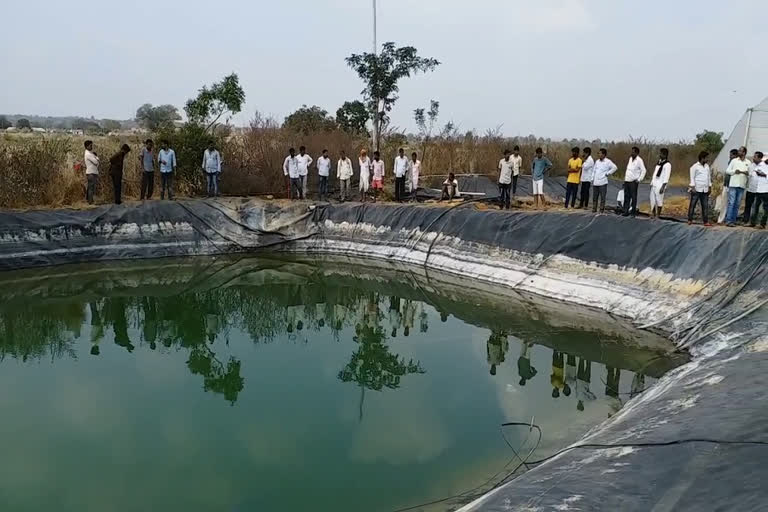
[{"x": 574, "y": 178}]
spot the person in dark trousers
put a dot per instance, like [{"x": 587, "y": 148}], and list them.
[
  {"x": 587, "y": 176},
  {"x": 323, "y": 171},
  {"x": 166, "y": 159},
  {"x": 574, "y": 177},
  {"x": 603, "y": 168},
  {"x": 751, "y": 203},
  {"x": 450, "y": 188},
  {"x": 505, "y": 180},
  {"x": 291, "y": 170},
  {"x": 147, "y": 163},
  {"x": 116, "y": 171},
  {"x": 634, "y": 174},
  {"x": 401, "y": 171},
  {"x": 91, "y": 162},
  {"x": 760, "y": 175},
  {"x": 517, "y": 164},
  {"x": 524, "y": 368},
  {"x": 699, "y": 188}
]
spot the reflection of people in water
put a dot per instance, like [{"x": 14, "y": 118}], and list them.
[
  {"x": 612, "y": 388},
  {"x": 97, "y": 328},
  {"x": 149, "y": 307},
  {"x": 584, "y": 377},
  {"x": 524, "y": 368},
  {"x": 638, "y": 385},
  {"x": 394, "y": 314},
  {"x": 557, "y": 378},
  {"x": 116, "y": 308},
  {"x": 409, "y": 316},
  {"x": 570, "y": 374},
  {"x": 496, "y": 349},
  {"x": 423, "y": 323},
  {"x": 443, "y": 317}
]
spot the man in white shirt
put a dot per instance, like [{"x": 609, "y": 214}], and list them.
[
  {"x": 415, "y": 172},
  {"x": 91, "y": 162},
  {"x": 517, "y": 165},
  {"x": 323, "y": 171},
  {"x": 304, "y": 161},
  {"x": 291, "y": 169},
  {"x": 699, "y": 187},
  {"x": 377, "y": 167},
  {"x": 505, "y": 179},
  {"x": 632, "y": 177},
  {"x": 344, "y": 172},
  {"x": 450, "y": 188},
  {"x": 750, "y": 201},
  {"x": 587, "y": 175},
  {"x": 738, "y": 170},
  {"x": 401, "y": 169},
  {"x": 603, "y": 168},
  {"x": 166, "y": 158},
  {"x": 659, "y": 181},
  {"x": 212, "y": 168},
  {"x": 760, "y": 174}
]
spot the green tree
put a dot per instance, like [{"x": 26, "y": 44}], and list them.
[
  {"x": 214, "y": 102},
  {"x": 425, "y": 122},
  {"x": 308, "y": 120},
  {"x": 111, "y": 125},
  {"x": 4, "y": 123},
  {"x": 710, "y": 141},
  {"x": 381, "y": 73},
  {"x": 23, "y": 124},
  {"x": 157, "y": 118},
  {"x": 353, "y": 117}
]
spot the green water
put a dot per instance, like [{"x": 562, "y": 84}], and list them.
[{"x": 260, "y": 385}]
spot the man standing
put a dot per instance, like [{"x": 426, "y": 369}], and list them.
[
  {"x": 603, "y": 168},
  {"x": 760, "y": 174},
  {"x": 738, "y": 170},
  {"x": 415, "y": 172},
  {"x": 116, "y": 171},
  {"x": 91, "y": 171},
  {"x": 147, "y": 162},
  {"x": 505, "y": 180},
  {"x": 659, "y": 181},
  {"x": 212, "y": 168},
  {"x": 634, "y": 174},
  {"x": 517, "y": 165},
  {"x": 539, "y": 167},
  {"x": 378, "y": 175},
  {"x": 401, "y": 169},
  {"x": 701, "y": 182},
  {"x": 323, "y": 171},
  {"x": 167, "y": 159},
  {"x": 291, "y": 169},
  {"x": 344, "y": 172},
  {"x": 587, "y": 175},
  {"x": 732, "y": 154},
  {"x": 751, "y": 191},
  {"x": 304, "y": 161},
  {"x": 575, "y": 165}
]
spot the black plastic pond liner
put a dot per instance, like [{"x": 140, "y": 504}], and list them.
[{"x": 719, "y": 396}]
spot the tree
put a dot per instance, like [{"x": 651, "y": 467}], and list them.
[
  {"x": 308, "y": 120},
  {"x": 710, "y": 141},
  {"x": 4, "y": 123},
  {"x": 353, "y": 117},
  {"x": 87, "y": 126},
  {"x": 23, "y": 123},
  {"x": 157, "y": 118},
  {"x": 111, "y": 125},
  {"x": 212, "y": 103},
  {"x": 381, "y": 73},
  {"x": 425, "y": 122}
]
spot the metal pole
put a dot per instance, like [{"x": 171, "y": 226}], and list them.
[
  {"x": 375, "y": 46},
  {"x": 746, "y": 129},
  {"x": 375, "y": 100}
]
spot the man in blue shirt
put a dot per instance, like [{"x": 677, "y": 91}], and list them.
[
  {"x": 539, "y": 167},
  {"x": 167, "y": 160}
]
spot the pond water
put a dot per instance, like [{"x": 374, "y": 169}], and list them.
[{"x": 258, "y": 384}]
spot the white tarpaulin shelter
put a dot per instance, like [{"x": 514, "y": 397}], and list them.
[{"x": 751, "y": 131}]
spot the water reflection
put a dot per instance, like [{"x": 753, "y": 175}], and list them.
[{"x": 199, "y": 321}]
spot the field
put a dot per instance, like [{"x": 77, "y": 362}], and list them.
[{"x": 39, "y": 170}]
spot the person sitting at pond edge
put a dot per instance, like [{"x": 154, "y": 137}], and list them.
[
  {"x": 539, "y": 167},
  {"x": 291, "y": 170},
  {"x": 212, "y": 168},
  {"x": 147, "y": 162},
  {"x": 116, "y": 164},
  {"x": 166, "y": 158},
  {"x": 524, "y": 368},
  {"x": 634, "y": 174},
  {"x": 659, "y": 182},
  {"x": 450, "y": 188},
  {"x": 575, "y": 164},
  {"x": 699, "y": 187}
]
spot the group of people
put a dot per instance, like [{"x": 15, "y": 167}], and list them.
[
  {"x": 745, "y": 178},
  {"x": 371, "y": 173},
  {"x": 164, "y": 160}
]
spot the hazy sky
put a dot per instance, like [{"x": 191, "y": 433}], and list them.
[{"x": 558, "y": 68}]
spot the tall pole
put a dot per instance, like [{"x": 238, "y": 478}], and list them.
[{"x": 375, "y": 100}]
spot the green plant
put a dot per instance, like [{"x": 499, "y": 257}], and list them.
[
  {"x": 156, "y": 118},
  {"x": 353, "y": 117},
  {"x": 306, "y": 120},
  {"x": 212, "y": 103}
]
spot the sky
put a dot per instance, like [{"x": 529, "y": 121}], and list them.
[{"x": 661, "y": 70}]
